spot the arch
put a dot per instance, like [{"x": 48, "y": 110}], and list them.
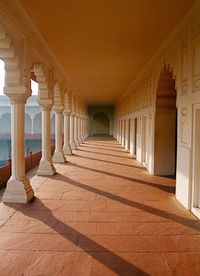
[
  {"x": 67, "y": 101},
  {"x": 73, "y": 104},
  {"x": 108, "y": 110},
  {"x": 37, "y": 123},
  {"x": 28, "y": 124},
  {"x": 100, "y": 124},
  {"x": 42, "y": 77},
  {"x": 5, "y": 123},
  {"x": 58, "y": 101},
  {"x": 165, "y": 138},
  {"x": 13, "y": 76}
]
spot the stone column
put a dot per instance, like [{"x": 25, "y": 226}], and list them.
[
  {"x": 18, "y": 189},
  {"x": 82, "y": 128},
  {"x": 66, "y": 148},
  {"x": 120, "y": 136},
  {"x": 58, "y": 156},
  {"x": 83, "y": 134},
  {"x": 111, "y": 127},
  {"x": 76, "y": 131},
  {"x": 119, "y": 132},
  {"x": 126, "y": 135},
  {"x": 46, "y": 166},
  {"x": 72, "y": 143},
  {"x": 87, "y": 127},
  {"x": 79, "y": 130}
]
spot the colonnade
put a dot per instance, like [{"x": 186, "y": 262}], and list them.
[{"x": 75, "y": 131}]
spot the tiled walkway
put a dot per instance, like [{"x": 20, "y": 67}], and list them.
[{"x": 102, "y": 214}]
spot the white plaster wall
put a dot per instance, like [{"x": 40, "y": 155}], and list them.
[
  {"x": 181, "y": 54},
  {"x": 183, "y": 187}
]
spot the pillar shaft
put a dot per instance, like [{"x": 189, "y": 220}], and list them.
[
  {"x": 58, "y": 156},
  {"x": 119, "y": 131},
  {"x": 72, "y": 127},
  {"x": 66, "y": 148},
  {"x": 123, "y": 133},
  {"x": 46, "y": 166},
  {"x": 79, "y": 130},
  {"x": 76, "y": 131},
  {"x": 82, "y": 131},
  {"x": 18, "y": 188}
]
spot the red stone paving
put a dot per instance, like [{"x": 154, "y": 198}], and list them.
[{"x": 101, "y": 214}]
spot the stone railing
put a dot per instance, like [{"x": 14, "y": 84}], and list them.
[{"x": 31, "y": 161}]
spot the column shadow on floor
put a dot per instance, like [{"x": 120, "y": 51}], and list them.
[
  {"x": 111, "y": 162},
  {"x": 107, "y": 145},
  {"x": 168, "y": 189},
  {"x": 103, "y": 255},
  {"x": 195, "y": 224},
  {"x": 84, "y": 146},
  {"x": 107, "y": 154}
]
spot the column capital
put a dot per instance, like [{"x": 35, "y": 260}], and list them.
[
  {"x": 46, "y": 104},
  {"x": 58, "y": 108},
  {"x": 17, "y": 98},
  {"x": 67, "y": 111}
]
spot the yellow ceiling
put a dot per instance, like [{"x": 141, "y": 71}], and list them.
[{"x": 103, "y": 44}]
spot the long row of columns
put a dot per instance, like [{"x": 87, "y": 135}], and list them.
[
  {"x": 122, "y": 132},
  {"x": 127, "y": 135},
  {"x": 18, "y": 188}
]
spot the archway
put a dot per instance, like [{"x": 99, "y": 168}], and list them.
[
  {"x": 128, "y": 132},
  {"x": 52, "y": 127},
  {"x": 28, "y": 124},
  {"x": 5, "y": 123},
  {"x": 165, "y": 138},
  {"x": 5, "y": 138},
  {"x": 37, "y": 125},
  {"x": 135, "y": 138},
  {"x": 100, "y": 124}
]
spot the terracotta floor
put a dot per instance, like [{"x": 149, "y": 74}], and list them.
[{"x": 102, "y": 214}]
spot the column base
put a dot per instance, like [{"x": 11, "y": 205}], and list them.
[
  {"x": 67, "y": 150},
  {"x": 18, "y": 191},
  {"x": 59, "y": 157},
  {"x": 80, "y": 140},
  {"x": 73, "y": 146},
  {"x": 46, "y": 167},
  {"x": 77, "y": 143}
]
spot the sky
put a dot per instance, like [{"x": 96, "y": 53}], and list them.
[{"x": 34, "y": 85}]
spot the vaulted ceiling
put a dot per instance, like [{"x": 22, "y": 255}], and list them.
[{"x": 103, "y": 44}]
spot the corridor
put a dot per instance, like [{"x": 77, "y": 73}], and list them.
[{"x": 101, "y": 214}]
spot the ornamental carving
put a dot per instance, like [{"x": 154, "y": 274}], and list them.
[{"x": 184, "y": 126}]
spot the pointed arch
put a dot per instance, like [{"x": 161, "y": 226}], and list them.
[
  {"x": 42, "y": 77},
  {"x": 58, "y": 101},
  {"x": 165, "y": 138},
  {"x": 67, "y": 101},
  {"x": 13, "y": 76}
]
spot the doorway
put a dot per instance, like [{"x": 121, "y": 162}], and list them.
[
  {"x": 165, "y": 136},
  {"x": 144, "y": 141},
  {"x": 196, "y": 162},
  {"x": 100, "y": 124},
  {"x": 129, "y": 132},
  {"x": 135, "y": 138}
]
